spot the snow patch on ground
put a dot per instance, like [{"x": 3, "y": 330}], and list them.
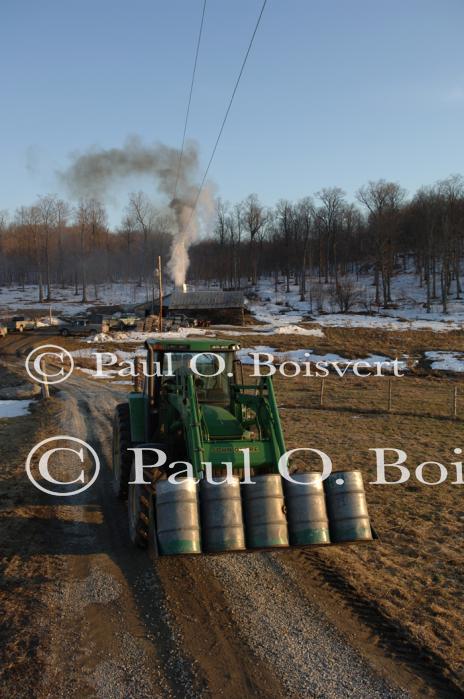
[
  {"x": 65, "y": 300},
  {"x": 307, "y": 355},
  {"x": 280, "y": 308},
  {"x": 141, "y": 336},
  {"x": 340, "y": 320},
  {"x": 296, "y": 330},
  {"x": 446, "y": 361},
  {"x": 14, "y": 408},
  {"x": 271, "y": 329}
]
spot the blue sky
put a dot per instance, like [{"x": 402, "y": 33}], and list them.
[{"x": 335, "y": 92}]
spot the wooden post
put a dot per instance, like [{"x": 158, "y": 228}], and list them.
[
  {"x": 389, "y": 395},
  {"x": 455, "y": 403},
  {"x": 138, "y": 378},
  {"x": 160, "y": 281},
  {"x": 44, "y": 386},
  {"x": 321, "y": 395}
]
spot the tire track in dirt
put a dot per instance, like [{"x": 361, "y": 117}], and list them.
[
  {"x": 116, "y": 655},
  {"x": 394, "y": 640}
]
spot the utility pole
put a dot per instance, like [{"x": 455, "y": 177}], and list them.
[{"x": 160, "y": 281}]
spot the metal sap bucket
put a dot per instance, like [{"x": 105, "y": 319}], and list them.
[
  {"x": 306, "y": 511},
  {"x": 177, "y": 517},
  {"x": 347, "y": 507},
  {"x": 221, "y": 516},
  {"x": 264, "y": 509}
]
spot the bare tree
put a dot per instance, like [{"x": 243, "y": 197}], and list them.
[
  {"x": 254, "y": 219},
  {"x": 98, "y": 232},
  {"x": 141, "y": 211},
  {"x": 46, "y": 206},
  {"x": 451, "y": 192},
  {"x": 3, "y": 230},
  {"x": 127, "y": 230},
  {"x": 82, "y": 221},
  {"x": 28, "y": 220},
  {"x": 305, "y": 217},
  {"x": 62, "y": 214},
  {"x": 329, "y": 214},
  {"x": 345, "y": 295},
  {"x": 285, "y": 226},
  {"x": 383, "y": 201}
]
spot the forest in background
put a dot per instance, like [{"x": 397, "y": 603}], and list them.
[{"x": 52, "y": 244}]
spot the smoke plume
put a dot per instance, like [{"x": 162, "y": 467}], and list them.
[{"x": 93, "y": 173}]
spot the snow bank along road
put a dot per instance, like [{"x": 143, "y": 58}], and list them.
[{"x": 252, "y": 625}]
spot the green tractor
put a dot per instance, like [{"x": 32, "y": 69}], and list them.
[{"x": 196, "y": 416}]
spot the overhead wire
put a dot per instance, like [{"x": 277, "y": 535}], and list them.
[
  {"x": 190, "y": 97},
  {"x": 227, "y": 111}
]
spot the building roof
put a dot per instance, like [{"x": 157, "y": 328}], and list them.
[
  {"x": 188, "y": 344},
  {"x": 208, "y": 300}
]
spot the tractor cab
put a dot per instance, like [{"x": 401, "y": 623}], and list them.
[
  {"x": 212, "y": 372},
  {"x": 195, "y": 403}
]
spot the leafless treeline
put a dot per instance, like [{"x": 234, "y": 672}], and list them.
[
  {"x": 51, "y": 244},
  {"x": 331, "y": 238}
]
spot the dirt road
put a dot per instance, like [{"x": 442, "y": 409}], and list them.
[{"x": 89, "y": 616}]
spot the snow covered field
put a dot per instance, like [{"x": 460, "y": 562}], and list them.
[
  {"x": 446, "y": 361},
  {"x": 281, "y": 308},
  {"x": 279, "y": 311},
  {"x": 65, "y": 300}
]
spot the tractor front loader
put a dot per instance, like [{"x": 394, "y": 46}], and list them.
[{"x": 196, "y": 409}]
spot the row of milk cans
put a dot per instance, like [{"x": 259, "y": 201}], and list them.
[{"x": 271, "y": 512}]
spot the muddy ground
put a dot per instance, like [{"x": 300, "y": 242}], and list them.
[{"x": 86, "y": 615}]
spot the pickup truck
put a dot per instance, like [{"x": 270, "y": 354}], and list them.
[
  {"x": 83, "y": 326},
  {"x": 19, "y": 324}
]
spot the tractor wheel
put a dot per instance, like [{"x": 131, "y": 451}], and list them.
[
  {"x": 138, "y": 511},
  {"x": 122, "y": 459}
]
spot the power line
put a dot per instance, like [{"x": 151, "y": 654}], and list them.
[
  {"x": 228, "y": 110},
  {"x": 190, "y": 97}
]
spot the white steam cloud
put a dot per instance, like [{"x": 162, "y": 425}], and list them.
[{"x": 93, "y": 173}]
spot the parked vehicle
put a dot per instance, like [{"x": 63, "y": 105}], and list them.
[
  {"x": 120, "y": 321},
  {"x": 20, "y": 323},
  {"x": 83, "y": 326},
  {"x": 174, "y": 321}
]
